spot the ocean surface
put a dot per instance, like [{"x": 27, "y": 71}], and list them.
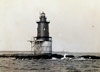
[{"x": 49, "y": 65}]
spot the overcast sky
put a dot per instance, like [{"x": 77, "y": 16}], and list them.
[{"x": 75, "y": 24}]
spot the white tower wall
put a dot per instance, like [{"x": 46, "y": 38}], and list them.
[{"x": 42, "y": 47}]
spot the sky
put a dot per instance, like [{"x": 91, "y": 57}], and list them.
[{"x": 74, "y": 24}]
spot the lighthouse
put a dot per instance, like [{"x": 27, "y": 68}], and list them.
[{"x": 42, "y": 43}]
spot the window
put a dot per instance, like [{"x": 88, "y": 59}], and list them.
[{"x": 44, "y": 29}]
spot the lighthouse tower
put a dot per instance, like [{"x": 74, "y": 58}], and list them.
[{"x": 42, "y": 43}]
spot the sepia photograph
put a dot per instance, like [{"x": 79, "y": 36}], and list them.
[{"x": 49, "y": 35}]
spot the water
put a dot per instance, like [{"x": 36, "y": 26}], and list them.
[
  {"x": 49, "y": 65},
  {"x": 42, "y": 65}
]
